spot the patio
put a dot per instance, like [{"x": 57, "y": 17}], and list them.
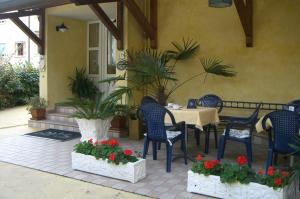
[{"x": 54, "y": 157}]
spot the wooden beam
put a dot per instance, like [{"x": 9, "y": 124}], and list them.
[
  {"x": 20, "y": 14},
  {"x": 153, "y": 22},
  {"x": 140, "y": 18},
  {"x": 120, "y": 24},
  {"x": 27, "y": 31},
  {"x": 42, "y": 19},
  {"x": 105, "y": 20},
  {"x": 87, "y": 2},
  {"x": 245, "y": 12}
]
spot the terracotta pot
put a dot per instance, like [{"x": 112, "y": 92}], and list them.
[
  {"x": 118, "y": 122},
  {"x": 38, "y": 114}
]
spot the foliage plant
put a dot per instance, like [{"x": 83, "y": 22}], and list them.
[
  {"x": 82, "y": 86},
  {"x": 155, "y": 71},
  {"x": 296, "y": 168},
  {"x": 106, "y": 150},
  {"x": 36, "y": 102},
  {"x": 240, "y": 172}
]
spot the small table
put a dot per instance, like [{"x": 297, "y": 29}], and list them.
[{"x": 199, "y": 117}]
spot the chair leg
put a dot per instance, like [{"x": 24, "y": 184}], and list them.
[
  {"x": 216, "y": 136},
  {"x": 269, "y": 159},
  {"x": 154, "y": 148},
  {"x": 249, "y": 153},
  {"x": 146, "y": 146},
  {"x": 169, "y": 156},
  {"x": 221, "y": 148},
  {"x": 184, "y": 150},
  {"x": 158, "y": 145},
  {"x": 197, "y": 136},
  {"x": 207, "y": 133}
]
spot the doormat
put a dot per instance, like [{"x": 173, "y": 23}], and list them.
[{"x": 56, "y": 134}]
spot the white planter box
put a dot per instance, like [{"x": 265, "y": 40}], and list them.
[
  {"x": 94, "y": 129},
  {"x": 212, "y": 186},
  {"x": 132, "y": 171}
]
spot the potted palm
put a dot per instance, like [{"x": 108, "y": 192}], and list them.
[{"x": 37, "y": 107}]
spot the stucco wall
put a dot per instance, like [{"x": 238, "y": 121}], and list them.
[
  {"x": 270, "y": 71},
  {"x": 65, "y": 51}
]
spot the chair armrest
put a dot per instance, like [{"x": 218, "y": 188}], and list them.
[{"x": 177, "y": 127}]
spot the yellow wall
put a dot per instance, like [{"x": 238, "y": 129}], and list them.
[
  {"x": 270, "y": 71},
  {"x": 64, "y": 52}
]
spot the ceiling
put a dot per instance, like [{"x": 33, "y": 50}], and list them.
[{"x": 82, "y": 12}]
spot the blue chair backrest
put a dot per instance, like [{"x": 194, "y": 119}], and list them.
[
  {"x": 154, "y": 115},
  {"x": 295, "y": 104},
  {"x": 253, "y": 117},
  {"x": 285, "y": 127},
  {"x": 145, "y": 100},
  {"x": 211, "y": 101},
  {"x": 192, "y": 103}
]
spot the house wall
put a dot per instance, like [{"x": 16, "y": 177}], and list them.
[
  {"x": 64, "y": 52},
  {"x": 268, "y": 72}
]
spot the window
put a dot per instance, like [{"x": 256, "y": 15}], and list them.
[
  {"x": 20, "y": 47},
  {"x": 2, "y": 49},
  {"x": 111, "y": 54},
  {"x": 93, "y": 49}
]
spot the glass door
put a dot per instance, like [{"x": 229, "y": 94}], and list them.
[{"x": 101, "y": 54}]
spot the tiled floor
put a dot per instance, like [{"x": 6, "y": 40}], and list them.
[{"x": 54, "y": 157}]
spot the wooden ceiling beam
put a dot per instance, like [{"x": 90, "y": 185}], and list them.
[
  {"x": 87, "y": 2},
  {"x": 20, "y": 14},
  {"x": 153, "y": 22},
  {"x": 27, "y": 31},
  {"x": 120, "y": 24},
  {"x": 105, "y": 20},
  {"x": 245, "y": 12}
]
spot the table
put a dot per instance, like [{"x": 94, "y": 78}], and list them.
[{"x": 199, "y": 117}]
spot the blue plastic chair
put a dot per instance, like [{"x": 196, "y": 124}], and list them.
[
  {"x": 285, "y": 127},
  {"x": 213, "y": 101},
  {"x": 242, "y": 136},
  {"x": 145, "y": 100},
  {"x": 295, "y": 104},
  {"x": 157, "y": 132}
]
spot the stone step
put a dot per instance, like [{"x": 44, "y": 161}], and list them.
[
  {"x": 60, "y": 117},
  {"x": 64, "y": 109}
]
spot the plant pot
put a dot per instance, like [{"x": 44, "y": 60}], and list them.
[
  {"x": 118, "y": 122},
  {"x": 38, "y": 114},
  {"x": 132, "y": 171},
  {"x": 96, "y": 129},
  {"x": 162, "y": 97},
  {"x": 212, "y": 186}
]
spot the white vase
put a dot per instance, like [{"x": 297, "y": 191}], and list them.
[
  {"x": 132, "y": 171},
  {"x": 96, "y": 129},
  {"x": 212, "y": 186}
]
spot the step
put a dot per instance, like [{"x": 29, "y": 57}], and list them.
[
  {"x": 60, "y": 117},
  {"x": 65, "y": 109}
]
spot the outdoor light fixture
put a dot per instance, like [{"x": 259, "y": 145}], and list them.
[
  {"x": 61, "y": 28},
  {"x": 219, "y": 3}
]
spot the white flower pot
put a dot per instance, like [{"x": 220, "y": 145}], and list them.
[
  {"x": 212, "y": 186},
  {"x": 132, "y": 171},
  {"x": 96, "y": 129}
]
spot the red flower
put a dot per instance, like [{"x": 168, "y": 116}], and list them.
[
  {"x": 270, "y": 171},
  {"x": 215, "y": 162},
  {"x": 113, "y": 142},
  {"x": 90, "y": 141},
  {"x": 198, "y": 158},
  {"x": 127, "y": 152},
  {"x": 284, "y": 174},
  {"x": 260, "y": 172},
  {"x": 104, "y": 142},
  {"x": 241, "y": 160},
  {"x": 97, "y": 142},
  {"x": 277, "y": 181},
  {"x": 111, "y": 157},
  {"x": 208, "y": 164}
]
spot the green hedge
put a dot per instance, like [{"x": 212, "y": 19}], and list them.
[{"x": 18, "y": 83}]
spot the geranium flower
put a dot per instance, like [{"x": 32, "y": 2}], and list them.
[
  {"x": 260, "y": 172},
  {"x": 113, "y": 142},
  {"x": 277, "y": 181},
  {"x": 97, "y": 142},
  {"x": 104, "y": 142},
  {"x": 284, "y": 174},
  {"x": 198, "y": 158},
  {"x": 90, "y": 141},
  {"x": 215, "y": 162},
  {"x": 241, "y": 160},
  {"x": 270, "y": 171},
  {"x": 127, "y": 152},
  {"x": 208, "y": 164},
  {"x": 111, "y": 157}
]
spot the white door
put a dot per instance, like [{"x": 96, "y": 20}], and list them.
[{"x": 101, "y": 54}]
